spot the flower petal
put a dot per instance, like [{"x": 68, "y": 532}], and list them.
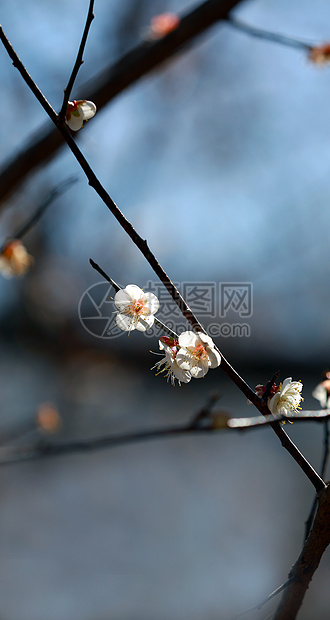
[
  {"x": 198, "y": 370},
  {"x": 214, "y": 357},
  {"x": 145, "y": 322},
  {"x": 188, "y": 339},
  {"x": 122, "y": 299},
  {"x": 87, "y": 110},
  {"x": 134, "y": 291},
  {"x": 75, "y": 122},
  {"x": 125, "y": 322},
  {"x": 152, "y": 302}
]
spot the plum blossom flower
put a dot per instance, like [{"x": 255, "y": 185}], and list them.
[
  {"x": 197, "y": 353},
  {"x": 136, "y": 308},
  {"x": 172, "y": 371},
  {"x": 14, "y": 259},
  {"x": 79, "y": 112},
  {"x": 287, "y": 398},
  {"x": 320, "y": 55}
]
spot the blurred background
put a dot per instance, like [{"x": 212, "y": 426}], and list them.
[{"x": 220, "y": 160}]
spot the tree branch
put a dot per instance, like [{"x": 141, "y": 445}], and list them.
[
  {"x": 112, "y": 81},
  {"x": 309, "y": 521},
  {"x": 79, "y": 61},
  {"x": 266, "y": 35},
  {"x": 308, "y": 561}
]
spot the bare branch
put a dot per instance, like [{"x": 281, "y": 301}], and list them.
[
  {"x": 308, "y": 561},
  {"x": 79, "y": 60},
  {"x": 265, "y": 35},
  {"x": 200, "y": 423},
  {"x": 112, "y": 81},
  {"x": 309, "y": 521},
  {"x": 266, "y": 599},
  {"x": 205, "y": 420}
]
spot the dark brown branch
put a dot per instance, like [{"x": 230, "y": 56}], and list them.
[
  {"x": 79, "y": 61},
  {"x": 44, "y": 449},
  {"x": 205, "y": 420},
  {"x": 159, "y": 271},
  {"x": 112, "y": 81},
  {"x": 325, "y": 457},
  {"x": 308, "y": 561}
]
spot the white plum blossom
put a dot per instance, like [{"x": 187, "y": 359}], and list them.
[
  {"x": 136, "y": 308},
  {"x": 287, "y": 397},
  {"x": 168, "y": 364},
  {"x": 197, "y": 353},
  {"x": 79, "y": 112},
  {"x": 15, "y": 260}
]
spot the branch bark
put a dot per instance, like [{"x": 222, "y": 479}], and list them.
[
  {"x": 112, "y": 81},
  {"x": 308, "y": 561}
]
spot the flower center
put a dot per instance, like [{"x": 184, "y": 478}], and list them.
[
  {"x": 137, "y": 307},
  {"x": 199, "y": 352}
]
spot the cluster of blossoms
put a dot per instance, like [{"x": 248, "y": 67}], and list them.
[
  {"x": 283, "y": 398},
  {"x": 189, "y": 356},
  {"x": 78, "y": 113},
  {"x": 14, "y": 259}
]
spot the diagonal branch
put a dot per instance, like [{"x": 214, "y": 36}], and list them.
[
  {"x": 112, "y": 81},
  {"x": 325, "y": 457},
  {"x": 303, "y": 570}
]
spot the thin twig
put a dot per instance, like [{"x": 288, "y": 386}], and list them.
[
  {"x": 53, "y": 194},
  {"x": 142, "y": 244},
  {"x": 79, "y": 60},
  {"x": 266, "y": 599},
  {"x": 113, "y": 80},
  {"x": 259, "y": 33}
]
